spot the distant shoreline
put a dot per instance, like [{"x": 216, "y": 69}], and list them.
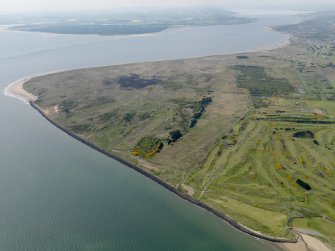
[
  {"x": 8, "y": 91},
  {"x": 113, "y": 29}
]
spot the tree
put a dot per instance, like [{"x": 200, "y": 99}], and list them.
[{"x": 175, "y": 135}]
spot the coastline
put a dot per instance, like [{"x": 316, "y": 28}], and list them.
[
  {"x": 24, "y": 83},
  {"x": 16, "y": 90},
  {"x": 305, "y": 243},
  {"x": 8, "y": 91},
  {"x": 187, "y": 197},
  {"x": 98, "y": 35}
]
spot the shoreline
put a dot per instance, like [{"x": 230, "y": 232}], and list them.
[
  {"x": 182, "y": 195},
  {"x": 305, "y": 242},
  {"x": 176, "y": 28},
  {"x": 16, "y": 90},
  {"x": 302, "y": 242},
  {"x": 10, "y": 93},
  {"x": 276, "y": 45},
  {"x": 112, "y": 36},
  {"x": 9, "y": 29}
]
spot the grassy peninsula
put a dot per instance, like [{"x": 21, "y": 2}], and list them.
[{"x": 251, "y": 135}]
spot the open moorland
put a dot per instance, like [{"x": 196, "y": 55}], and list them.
[{"x": 251, "y": 135}]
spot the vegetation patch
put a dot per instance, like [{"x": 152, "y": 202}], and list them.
[
  {"x": 303, "y": 184},
  {"x": 298, "y": 119},
  {"x": 147, "y": 147},
  {"x": 175, "y": 135},
  {"x": 105, "y": 117},
  {"x": 304, "y": 134},
  {"x": 67, "y": 106},
  {"x": 128, "y": 117},
  {"x": 316, "y": 142},
  {"x": 314, "y": 29},
  {"x": 80, "y": 128},
  {"x": 199, "y": 109},
  {"x": 133, "y": 81},
  {"x": 260, "y": 83},
  {"x": 102, "y": 100},
  {"x": 186, "y": 116},
  {"x": 242, "y": 57},
  {"x": 144, "y": 116}
]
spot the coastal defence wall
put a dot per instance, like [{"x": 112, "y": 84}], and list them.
[{"x": 184, "y": 196}]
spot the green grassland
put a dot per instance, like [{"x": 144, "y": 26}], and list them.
[
  {"x": 252, "y": 135},
  {"x": 166, "y": 97}
]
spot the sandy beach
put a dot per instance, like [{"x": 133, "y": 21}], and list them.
[
  {"x": 306, "y": 243},
  {"x": 16, "y": 90}
]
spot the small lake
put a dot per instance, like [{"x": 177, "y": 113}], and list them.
[{"x": 58, "y": 194}]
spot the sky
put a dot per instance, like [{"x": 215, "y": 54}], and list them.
[{"x": 56, "y": 5}]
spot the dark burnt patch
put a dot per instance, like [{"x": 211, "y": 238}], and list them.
[{"x": 133, "y": 81}]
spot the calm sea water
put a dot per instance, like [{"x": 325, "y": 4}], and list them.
[{"x": 58, "y": 194}]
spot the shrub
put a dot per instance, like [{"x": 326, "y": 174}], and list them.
[
  {"x": 303, "y": 184},
  {"x": 278, "y": 166},
  {"x": 304, "y": 134},
  {"x": 144, "y": 116},
  {"x": 128, "y": 117},
  {"x": 316, "y": 142},
  {"x": 193, "y": 122},
  {"x": 259, "y": 83},
  {"x": 206, "y": 101},
  {"x": 175, "y": 135},
  {"x": 147, "y": 147}
]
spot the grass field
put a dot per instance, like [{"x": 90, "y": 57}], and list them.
[
  {"x": 255, "y": 179},
  {"x": 251, "y": 135}
]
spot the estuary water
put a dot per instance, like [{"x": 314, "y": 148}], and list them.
[{"x": 58, "y": 194}]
